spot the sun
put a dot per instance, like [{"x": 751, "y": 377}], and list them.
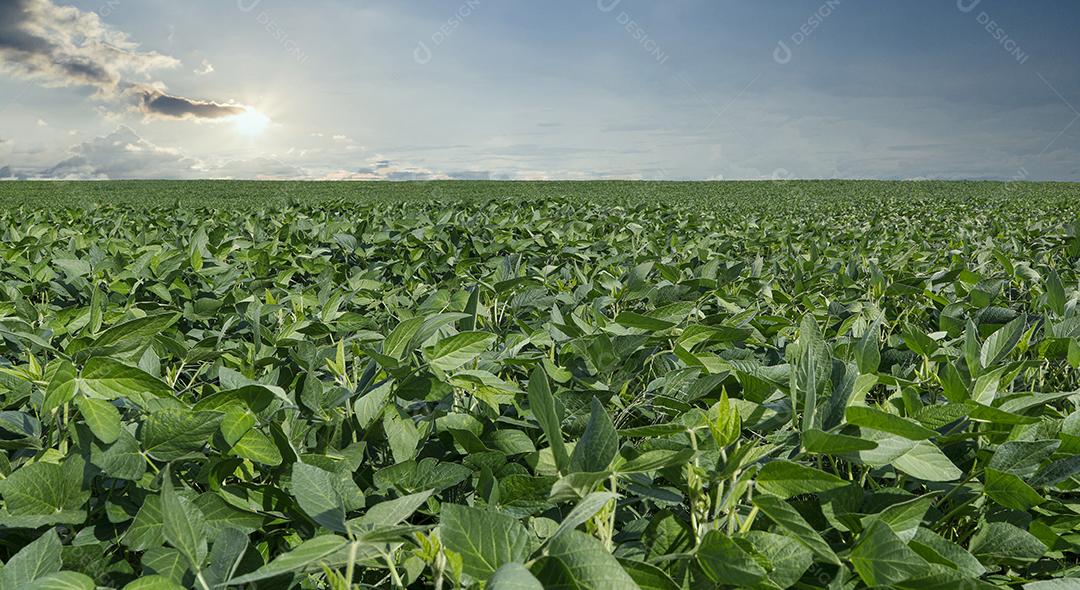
[{"x": 251, "y": 122}]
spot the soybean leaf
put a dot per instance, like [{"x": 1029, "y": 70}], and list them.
[
  {"x": 579, "y": 561},
  {"x": 486, "y": 540},
  {"x": 183, "y": 524},
  {"x": 513, "y": 576},
  {"x": 316, "y": 492},
  {"x": 724, "y": 561},
  {"x": 308, "y": 554},
  {"x": 543, "y": 407},
  {"x": 32, "y": 562},
  {"x": 785, "y": 479},
  {"x": 881, "y": 558},
  {"x": 597, "y": 446},
  {"x": 101, "y": 416}
]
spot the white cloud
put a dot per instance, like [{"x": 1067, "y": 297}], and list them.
[
  {"x": 123, "y": 154},
  {"x": 205, "y": 68}
]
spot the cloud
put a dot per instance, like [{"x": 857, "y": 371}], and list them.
[
  {"x": 123, "y": 154},
  {"x": 259, "y": 168},
  {"x": 61, "y": 46},
  {"x": 154, "y": 102},
  {"x": 205, "y": 68},
  {"x": 64, "y": 46}
]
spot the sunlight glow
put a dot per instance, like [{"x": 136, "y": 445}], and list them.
[{"x": 251, "y": 122}]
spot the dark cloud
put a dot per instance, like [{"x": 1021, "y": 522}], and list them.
[
  {"x": 6, "y": 173},
  {"x": 156, "y": 103},
  {"x": 64, "y": 46}
]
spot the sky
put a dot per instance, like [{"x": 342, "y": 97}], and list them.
[{"x": 523, "y": 89}]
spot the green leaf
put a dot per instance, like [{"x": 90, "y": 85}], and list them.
[
  {"x": 134, "y": 333},
  {"x": 1023, "y": 457},
  {"x": 1002, "y": 342},
  {"x": 903, "y": 518},
  {"x": 308, "y": 554},
  {"x": 402, "y": 434},
  {"x": 450, "y": 353},
  {"x": 813, "y": 365},
  {"x": 167, "y": 562},
  {"x": 316, "y": 491},
  {"x": 47, "y": 489},
  {"x": 173, "y": 433},
  {"x": 1055, "y": 293},
  {"x": 107, "y": 378},
  {"x": 789, "y": 519},
  {"x": 724, "y": 421},
  {"x": 513, "y": 576},
  {"x": 66, "y": 580},
  {"x": 787, "y": 558},
  {"x": 543, "y": 407},
  {"x": 1001, "y": 542},
  {"x": 153, "y": 582},
  {"x": 34, "y": 561},
  {"x": 642, "y": 322},
  {"x": 486, "y": 540},
  {"x": 62, "y": 386},
  {"x": 585, "y": 509},
  {"x": 925, "y": 461},
  {"x": 1056, "y": 472},
  {"x": 257, "y": 447},
  {"x": 598, "y": 445},
  {"x": 881, "y": 558},
  {"x": 655, "y": 460},
  {"x": 867, "y": 417},
  {"x": 723, "y": 561},
  {"x": 392, "y": 512},
  {"x": 576, "y": 561},
  {"x": 148, "y": 529},
  {"x": 101, "y": 416},
  {"x": 942, "y": 550},
  {"x": 19, "y": 428},
  {"x": 400, "y": 341},
  {"x": 184, "y": 524},
  {"x": 220, "y": 515},
  {"x": 370, "y": 406},
  {"x": 785, "y": 479},
  {"x": 226, "y": 553},
  {"x": 867, "y": 355},
  {"x": 647, "y": 576},
  {"x": 122, "y": 459},
  {"x": 819, "y": 441},
  {"x": 1010, "y": 491}
]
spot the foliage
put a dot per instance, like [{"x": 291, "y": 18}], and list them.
[{"x": 813, "y": 385}]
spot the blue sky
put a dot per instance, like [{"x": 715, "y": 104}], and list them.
[{"x": 581, "y": 89}]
